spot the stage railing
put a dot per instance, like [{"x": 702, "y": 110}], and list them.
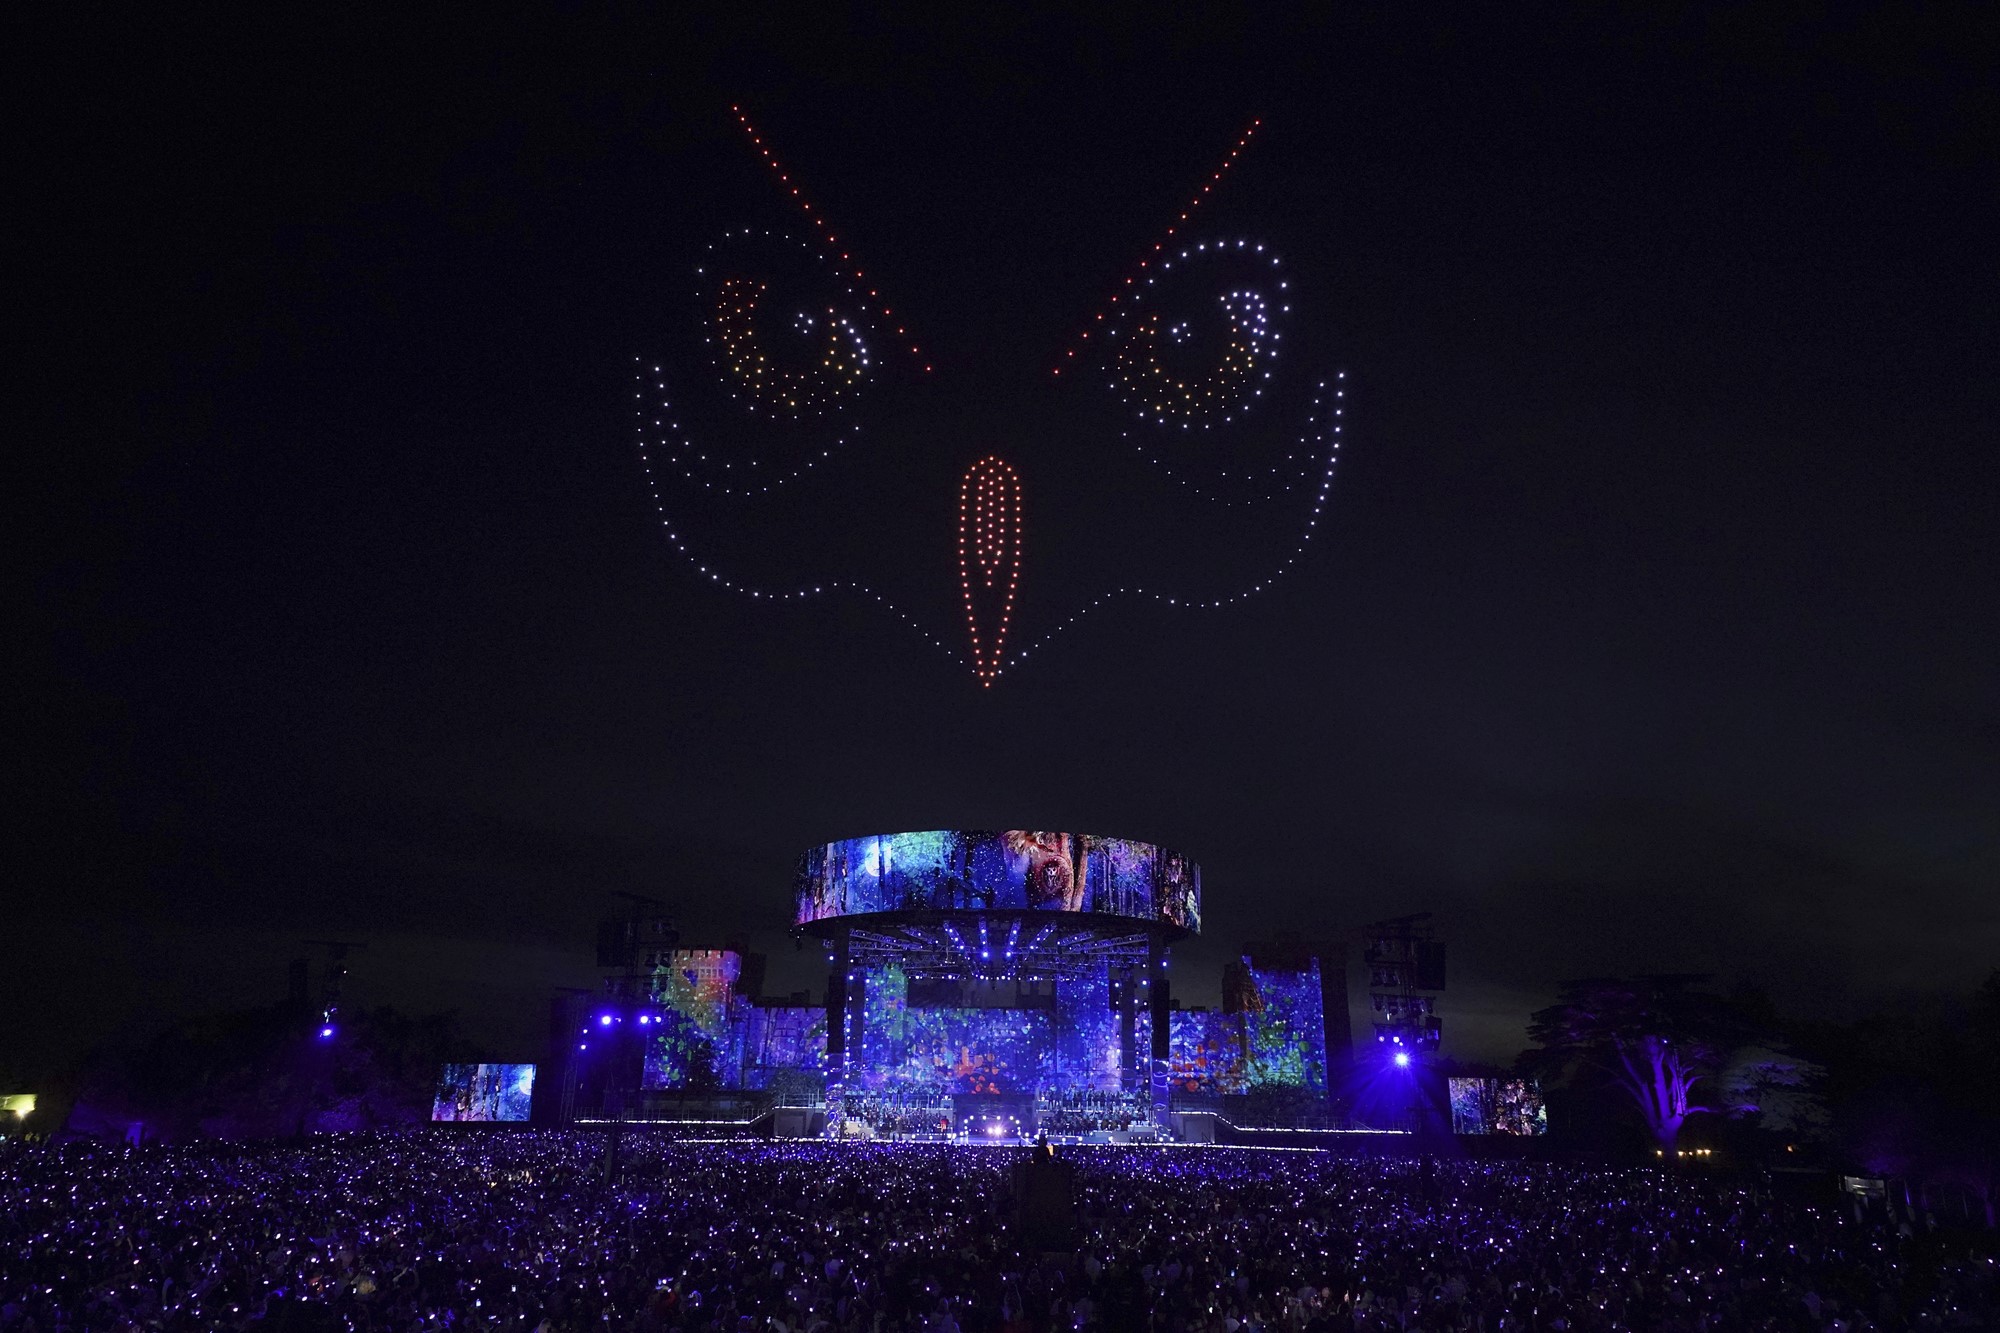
[{"x": 1243, "y": 1114}]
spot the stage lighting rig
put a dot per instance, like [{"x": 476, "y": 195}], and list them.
[
  {"x": 332, "y": 955},
  {"x": 1405, "y": 962}
]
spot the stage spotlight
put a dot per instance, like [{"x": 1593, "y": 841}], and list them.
[
  {"x": 1402, "y": 1059},
  {"x": 326, "y": 1033},
  {"x": 604, "y": 1020}
]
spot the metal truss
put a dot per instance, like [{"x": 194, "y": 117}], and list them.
[{"x": 987, "y": 947}]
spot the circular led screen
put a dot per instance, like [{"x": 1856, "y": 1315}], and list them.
[{"x": 954, "y": 870}]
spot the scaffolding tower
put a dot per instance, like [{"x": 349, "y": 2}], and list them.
[{"x": 1405, "y": 962}]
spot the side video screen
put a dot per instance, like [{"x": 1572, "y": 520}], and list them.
[{"x": 484, "y": 1092}]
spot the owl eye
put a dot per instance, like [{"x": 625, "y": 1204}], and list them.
[
  {"x": 789, "y": 347},
  {"x": 809, "y": 366},
  {"x": 786, "y": 332},
  {"x": 1195, "y": 346}
]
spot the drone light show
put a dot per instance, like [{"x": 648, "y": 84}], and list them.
[
  {"x": 1187, "y": 344},
  {"x": 820, "y": 224},
  {"x": 1200, "y": 197},
  {"x": 989, "y": 559},
  {"x": 842, "y": 358},
  {"x": 1148, "y": 370}
]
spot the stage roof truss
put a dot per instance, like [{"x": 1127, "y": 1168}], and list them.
[{"x": 1003, "y": 950}]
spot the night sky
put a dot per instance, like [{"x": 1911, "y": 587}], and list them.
[{"x": 1649, "y": 624}]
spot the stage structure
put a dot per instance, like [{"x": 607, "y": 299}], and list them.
[
  {"x": 984, "y": 979},
  {"x": 992, "y": 984},
  {"x": 1405, "y": 962}
]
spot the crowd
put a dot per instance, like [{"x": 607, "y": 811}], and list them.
[
  {"x": 898, "y": 1115},
  {"x": 535, "y": 1231},
  {"x": 1085, "y": 1111}
]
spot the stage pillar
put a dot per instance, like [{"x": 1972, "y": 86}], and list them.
[
  {"x": 1126, "y": 988},
  {"x": 837, "y": 990},
  {"x": 1159, "y": 997}
]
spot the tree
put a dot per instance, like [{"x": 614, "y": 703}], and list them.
[
  {"x": 1655, "y": 1038},
  {"x": 1914, "y": 1091},
  {"x": 1779, "y": 1090},
  {"x": 1981, "y": 1163},
  {"x": 262, "y": 1072}
]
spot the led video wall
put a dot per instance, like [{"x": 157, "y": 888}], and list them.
[
  {"x": 784, "y": 1037},
  {"x": 1206, "y": 1053},
  {"x": 1285, "y": 1030},
  {"x": 901, "y": 1046},
  {"x": 484, "y": 1092},
  {"x": 694, "y": 1037},
  {"x": 1087, "y": 1054},
  {"x": 1497, "y": 1106},
  {"x": 701, "y": 1035},
  {"x": 1013, "y": 870}
]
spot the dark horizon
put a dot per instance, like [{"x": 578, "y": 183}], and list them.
[{"x": 1648, "y": 625}]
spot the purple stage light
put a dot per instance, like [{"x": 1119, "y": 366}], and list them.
[
  {"x": 604, "y": 1020},
  {"x": 1402, "y": 1059},
  {"x": 326, "y": 1033}
]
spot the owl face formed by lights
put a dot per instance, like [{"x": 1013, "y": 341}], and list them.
[{"x": 765, "y": 483}]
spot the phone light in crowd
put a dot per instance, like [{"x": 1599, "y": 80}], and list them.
[
  {"x": 604, "y": 1020},
  {"x": 1402, "y": 1059},
  {"x": 326, "y": 1033}
]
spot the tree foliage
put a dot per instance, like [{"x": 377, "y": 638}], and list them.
[
  {"x": 1780, "y": 1091},
  {"x": 1914, "y": 1092},
  {"x": 262, "y": 1072},
  {"x": 1657, "y": 1039}
]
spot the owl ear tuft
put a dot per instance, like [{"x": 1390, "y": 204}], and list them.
[
  {"x": 1124, "y": 291},
  {"x": 860, "y": 287}
]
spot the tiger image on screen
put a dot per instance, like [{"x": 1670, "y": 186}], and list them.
[{"x": 1050, "y": 877}]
